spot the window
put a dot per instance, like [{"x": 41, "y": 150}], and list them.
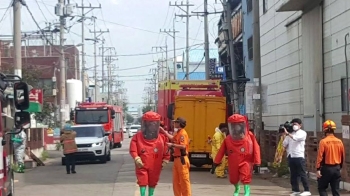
[
  {"x": 93, "y": 131},
  {"x": 249, "y": 5},
  {"x": 265, "y": 6},
  {"x": 250, "y": 48},
  {"x": 91, "y": 116},
  {"x": 344, "y": 97}
]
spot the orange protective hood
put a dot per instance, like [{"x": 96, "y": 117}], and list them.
[{"x": 151, "y": 116}]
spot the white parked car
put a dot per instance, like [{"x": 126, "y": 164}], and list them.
[
  {"x": 92, "y": 142},
  {"x": 133, "y": 130}
]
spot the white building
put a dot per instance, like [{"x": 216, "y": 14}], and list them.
[{"x": 303, "y": 60}]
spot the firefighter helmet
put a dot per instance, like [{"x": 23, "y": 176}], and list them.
[{"x": 329, "y": 125}]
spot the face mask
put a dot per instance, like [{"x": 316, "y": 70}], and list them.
[
  {"x": 176, "y": 129},
  {"x": 295, "y": 127}
]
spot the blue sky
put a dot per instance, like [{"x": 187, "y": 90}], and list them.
[{"x": 134, "y": 29}]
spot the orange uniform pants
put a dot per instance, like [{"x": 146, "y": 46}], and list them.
[{"x": 181, "y": 177}]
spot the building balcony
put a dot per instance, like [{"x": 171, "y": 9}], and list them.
[{"x": 298, "y": 5}]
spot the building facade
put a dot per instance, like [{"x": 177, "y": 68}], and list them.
[
  {"x": 196, "y": 64},
  {"x": 303, "y": 59}
]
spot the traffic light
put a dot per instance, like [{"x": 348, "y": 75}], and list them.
[{"x": 71, "y": 115}]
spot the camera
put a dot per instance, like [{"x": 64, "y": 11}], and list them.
[{"x": 288, "y": 125}]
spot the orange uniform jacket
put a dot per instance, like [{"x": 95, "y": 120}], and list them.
[{"x": 330, "y": 152}]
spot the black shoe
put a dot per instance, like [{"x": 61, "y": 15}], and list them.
[
  {"x": 68, "y": 172},
  {"x": 74, "y": 172}
]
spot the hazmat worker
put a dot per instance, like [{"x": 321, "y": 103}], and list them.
[
  {"x": 330, "y": 159},
  {"x": 181, "y": 168},
  {"x": 69, "y": 147},
  {"x": 19, "y": 145},
  {"x": 216, "y": 142},
  {"x": 243, "y": 152},
  {"x": 148, "y": 149}
]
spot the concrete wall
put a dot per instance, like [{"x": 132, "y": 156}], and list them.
[
  {"x": 281, "y": 66},
  {"x": 336, "y": 14}
]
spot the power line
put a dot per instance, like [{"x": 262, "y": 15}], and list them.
[
  {"x": 140, "y": 29},
  {"x": 41, "y": 10},
  {"x": 148, "y": 53},
  {"x": 7, "y": 9}
]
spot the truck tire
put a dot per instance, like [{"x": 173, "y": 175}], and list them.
[
  {"x": 119, "y": 145},
  {"x": 103, "y": 158},
  {"x": 63, "y": 161}
]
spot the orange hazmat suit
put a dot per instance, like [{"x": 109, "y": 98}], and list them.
[
  {"x": 243, "y": 152},
  {"x": 150, "y": 152}
]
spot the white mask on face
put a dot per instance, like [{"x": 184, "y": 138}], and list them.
[
  {"x": 295, "y": 127},
  {"x": 176, "y": 129}
]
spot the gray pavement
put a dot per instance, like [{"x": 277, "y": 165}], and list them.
[{"x": 117, "y": 178}]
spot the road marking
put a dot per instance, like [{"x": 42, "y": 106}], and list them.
[{"x": 137, "y": 190}]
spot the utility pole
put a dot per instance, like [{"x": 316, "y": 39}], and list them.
[
  {"x": 234, "y": 93},
  {"x": 82, "y": 20},
  {"x": 62, "y": 67},
  {"x": 163, "y": 49},
  {"x": 17, "y": 37},
  {"x": 95, "y": 39},
  {"x": 257, "y": 68},
  {"x": 103, "y": 51},
  {"x": 172, "y": 33},
  {"x": 206, "y": 36},
  {"x": 62, "y": 10},
  {"x": 187, "y": 16}
]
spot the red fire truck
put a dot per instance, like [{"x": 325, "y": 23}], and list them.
[{"x": 101, "y": 113}]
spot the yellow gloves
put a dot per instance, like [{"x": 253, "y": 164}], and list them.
[
  {"x": 165, "y": 162},
  {"x": 138, "y": 162}
]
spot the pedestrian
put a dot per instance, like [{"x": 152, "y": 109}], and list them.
[
  {"x": 19, "y": 141},
  {"x": 218, "y": 138},
  {"x": 243, "y": 152},
  {"x": 69, "y": 147},
  {"x": 149, "y": 150},
  {"x": 181, "y": 168},
  {"x": 330, "y": 159},
  {"x": 296, "y": 149}
]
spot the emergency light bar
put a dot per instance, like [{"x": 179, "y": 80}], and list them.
[
  {"x": 212, "y": 86},
  {"x": 97, "y": 108}
]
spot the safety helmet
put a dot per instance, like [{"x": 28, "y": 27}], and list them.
[
  {"x": 67, "y": 127},
  {"x": 329, "y": 125}
]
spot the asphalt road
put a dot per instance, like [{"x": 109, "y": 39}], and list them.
[{"x": 117, "y": 178}]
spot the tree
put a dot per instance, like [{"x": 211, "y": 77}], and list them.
[
  {"x": 146, "y": 108},
  {"x": 125, "y": 107},
  {"x": 129, "y": 118}
]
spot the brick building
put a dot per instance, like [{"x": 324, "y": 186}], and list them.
[{"x": 45, "y": 61}]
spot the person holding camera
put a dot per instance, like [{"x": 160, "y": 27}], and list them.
[
  {"x": 330, "y": 159},
  {"x": 295, "y": 145}
]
